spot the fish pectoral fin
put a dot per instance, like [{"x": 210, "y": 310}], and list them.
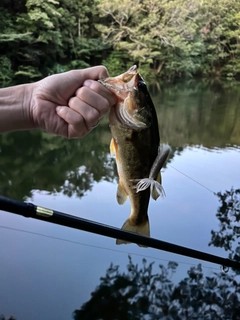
[
  {"x": 143, "y": 230},
  {"x": 121, "y": 194},
  {"x": 156, "y": 188},
  {"x": 112, "y": 147}
]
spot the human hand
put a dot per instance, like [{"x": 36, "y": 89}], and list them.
[{"x": 70, "y": 104}]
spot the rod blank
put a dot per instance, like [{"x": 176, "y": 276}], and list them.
[{"x": 30, "y": 210}]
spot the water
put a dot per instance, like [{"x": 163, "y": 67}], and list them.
[{"x": 49, "y": 271}]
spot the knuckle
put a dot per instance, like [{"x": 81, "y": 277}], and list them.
[
  {"x": 94, "y": 86},
  {"x": 77, "y": 120},
  {"x": 96, "y": 114},
  {"x": 72, "y": 134},
  {"x": 105, "y": 105},
  {"x": 81, "y": 91},
  {"x": 75, "y": 132},
  {"x": 72, "y": 101},
  {"x": 92, "y": 115}
]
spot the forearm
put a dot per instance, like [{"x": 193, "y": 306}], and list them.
[{"x": 15, "y": 108}]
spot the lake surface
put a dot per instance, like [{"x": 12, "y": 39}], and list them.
[{"x": 49, "y": 271}]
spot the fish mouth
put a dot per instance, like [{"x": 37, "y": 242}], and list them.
[{"x": 122, "y": 84}]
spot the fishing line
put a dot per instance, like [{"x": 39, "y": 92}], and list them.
[
  {"x": 192, "y": 179},
  {"x": 30, "y": 210},
  {"x": 98, "y": 247}
]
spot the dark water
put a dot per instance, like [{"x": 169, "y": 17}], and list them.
[{"x": 49, "y": 271}]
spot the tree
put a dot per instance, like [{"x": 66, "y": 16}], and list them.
[
  {"x": 162, "y": 34},
  {"x": 170, "y": 39},
  {"x": 220, "y": 31},
  {"x": 44, "y": 37},
  {"x": 176, "y": 37}
]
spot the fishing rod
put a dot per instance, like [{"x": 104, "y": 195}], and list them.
[{"x": 30, "y": 210}]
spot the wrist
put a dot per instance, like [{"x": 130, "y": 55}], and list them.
[{"x": 15, "y": 104}]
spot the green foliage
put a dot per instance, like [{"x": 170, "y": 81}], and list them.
[
  {"x": 154, "y": 33},
  {"x": 28, "y": 72},
  {"x": 175, "y": 38},
  {"x": 5, "y": 70},
  {"x": 116, "y": 63},
  {"x": 47, "y": 36},
  {"x": 165, "y": 39}
]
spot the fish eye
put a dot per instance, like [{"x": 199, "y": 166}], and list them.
[{"x": 141, "y": 85}]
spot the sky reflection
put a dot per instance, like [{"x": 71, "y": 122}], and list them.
[{"x": 70, "y": 271}]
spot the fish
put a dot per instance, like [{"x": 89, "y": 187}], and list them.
[{"x": 136, "y": 145}]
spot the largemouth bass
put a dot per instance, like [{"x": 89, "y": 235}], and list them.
[{"x": 135, "y": 143}]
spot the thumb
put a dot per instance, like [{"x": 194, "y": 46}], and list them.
[
  {"x": 66, "y": 84},
  {"x": 94, "y": 73},
  {"x": 74, "y": 79}
]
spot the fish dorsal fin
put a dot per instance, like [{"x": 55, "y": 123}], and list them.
[{"x": 121, "y": 194}]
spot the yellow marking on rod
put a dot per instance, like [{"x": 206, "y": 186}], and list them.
[{"x": 44, "y": 212}]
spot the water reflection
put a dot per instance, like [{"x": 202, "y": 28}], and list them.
[
  {"x": 2, "y": 317},
  {"x": 198, "y": 113},
  {"x": 146, "y": 291},
  {"x": 36, "y": 160},
  {"x": 188, "y": 115},
  {"x": 228, "y": 215},
  {"x": 141, "y": 293},
  {"x": 201, "y": 122}
]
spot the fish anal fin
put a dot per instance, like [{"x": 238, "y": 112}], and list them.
[
  {"x": 121, "y": 194},
  {"x": 143, "y": 230}
]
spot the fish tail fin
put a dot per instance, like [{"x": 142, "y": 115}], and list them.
[
  {"x": 155, "y": 187},
  {"x": 143, "y": 230}
]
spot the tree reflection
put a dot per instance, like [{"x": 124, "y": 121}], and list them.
[
  {"x": 228, "y": 215},
  {"x": 142, "y": 294},
  {"x": 189, "y": 113},
  {"x": 36, "y": 160},
  {"x": 199, "y": 113}
]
